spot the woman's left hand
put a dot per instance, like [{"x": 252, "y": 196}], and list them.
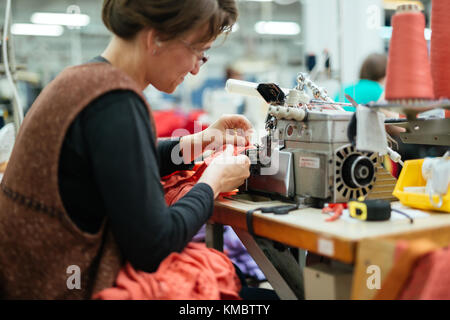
[{"x": 229, "y": 129}]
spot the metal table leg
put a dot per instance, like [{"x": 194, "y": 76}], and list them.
[{"x": 278, "y": 264}]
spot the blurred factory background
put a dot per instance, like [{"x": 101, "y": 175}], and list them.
[{"x": 272, "y": 42}]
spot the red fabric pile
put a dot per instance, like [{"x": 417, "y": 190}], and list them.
[
  {"x": 197, "y": 273},
  {"x": 167, "y": 121},
  {"x": 430, "y": 278},
  {"x": 420, "y": 271}
]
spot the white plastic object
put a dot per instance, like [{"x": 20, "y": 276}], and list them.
[
  {"x": 296, "y": 96},
  {"x": 7, "y": 139},
  {"x": 395, "y": 156},
  {"x": 241, "y": 87},
  {"x": 296, "y": 114},
  {"x": 288, "y": 113},
  {"x": 436, "y": 171}
]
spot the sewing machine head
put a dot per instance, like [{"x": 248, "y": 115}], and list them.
[{"x": 306, "y": 154}]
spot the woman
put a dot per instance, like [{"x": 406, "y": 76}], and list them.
[
  {"x": 369, "y": 88},
  {"x": 81, "y": 192}
]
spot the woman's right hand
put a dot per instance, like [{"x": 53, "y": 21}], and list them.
[{"x": 226, "y": 172}]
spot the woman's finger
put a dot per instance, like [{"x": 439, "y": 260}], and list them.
[
  {"x": 236, "y": 121},
  {"x": 236, "y": 140}
]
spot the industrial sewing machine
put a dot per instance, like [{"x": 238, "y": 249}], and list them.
[{"x": 306, "y": 155}]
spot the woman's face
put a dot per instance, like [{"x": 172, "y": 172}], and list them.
[{"x": 174, "y": 59}]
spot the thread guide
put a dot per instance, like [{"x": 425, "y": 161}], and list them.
[{"x": 411, "y": 106}]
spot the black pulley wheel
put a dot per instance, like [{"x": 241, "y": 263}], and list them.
[{"x": 358, "y": 171}]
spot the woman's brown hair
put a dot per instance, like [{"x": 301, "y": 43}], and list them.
[
  {"x": 374, "y": 67},
  {"x": 171, "y": 19}
]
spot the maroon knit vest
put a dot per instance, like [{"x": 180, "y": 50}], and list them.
[{"x": 41, "y": 249}]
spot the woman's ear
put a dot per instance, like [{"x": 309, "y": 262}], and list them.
[{"x": 152, "y": 42}]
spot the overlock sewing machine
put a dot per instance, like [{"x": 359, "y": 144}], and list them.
[{"x": 306, "y": 155}]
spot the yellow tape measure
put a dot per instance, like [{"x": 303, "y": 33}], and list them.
[{"x": 369, "y": 210}]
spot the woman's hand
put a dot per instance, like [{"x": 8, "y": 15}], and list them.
[
  {"x": 226, "y": 172},
  {"x": 390, "y": 129},
  {"x": 229, "y": 129}
]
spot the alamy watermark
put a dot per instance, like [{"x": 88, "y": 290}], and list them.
[
  {"x": 374, "y": 280},
  {"x": 74, "y": 278},
  {"x": 373, "y": 21}
]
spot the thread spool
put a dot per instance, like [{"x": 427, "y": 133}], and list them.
[
  {"x": 440, "y": 48},
  {"x": 242, "y": 87},
  {"x": 408, "y": 75}
]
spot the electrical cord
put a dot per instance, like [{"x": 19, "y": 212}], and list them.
[
  {"x": 19, "y": 111},
  {"x": 395, "y": 156},
  {"x": 403, "y": 213}
]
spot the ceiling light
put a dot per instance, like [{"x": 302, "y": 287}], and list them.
[
  {"x": 30, "y": 29},
  {"x": 63, "y": 19},
  {"x": 277, "y": 27}
]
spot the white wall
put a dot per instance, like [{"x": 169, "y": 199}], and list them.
[
  {"x": 279, "y": 56},
  {"x": 347, "y": 26}
]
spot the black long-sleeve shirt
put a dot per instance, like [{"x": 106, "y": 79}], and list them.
[{"x": 110, "y": 167}]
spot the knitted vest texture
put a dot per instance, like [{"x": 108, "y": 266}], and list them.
[{"x": 42, "y": 252}]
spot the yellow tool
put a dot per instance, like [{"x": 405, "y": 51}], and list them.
[
  {"x": 370, "y": 210},
  {"x": 373, "y": 210}
]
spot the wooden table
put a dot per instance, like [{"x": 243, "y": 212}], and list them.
[{"x": 348, "y": 242}]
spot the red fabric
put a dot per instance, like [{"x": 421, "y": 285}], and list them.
[
  {"x": 194, "y": 117},
  {"x": 420, "y": 271},
  {"x": 197, "y": 273},
  {"x": 177, "y": 184},
  {"x": 430, "y": 278},
  {"x": 336, "y": 208},
  {"x": 167, "y": 121}
]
